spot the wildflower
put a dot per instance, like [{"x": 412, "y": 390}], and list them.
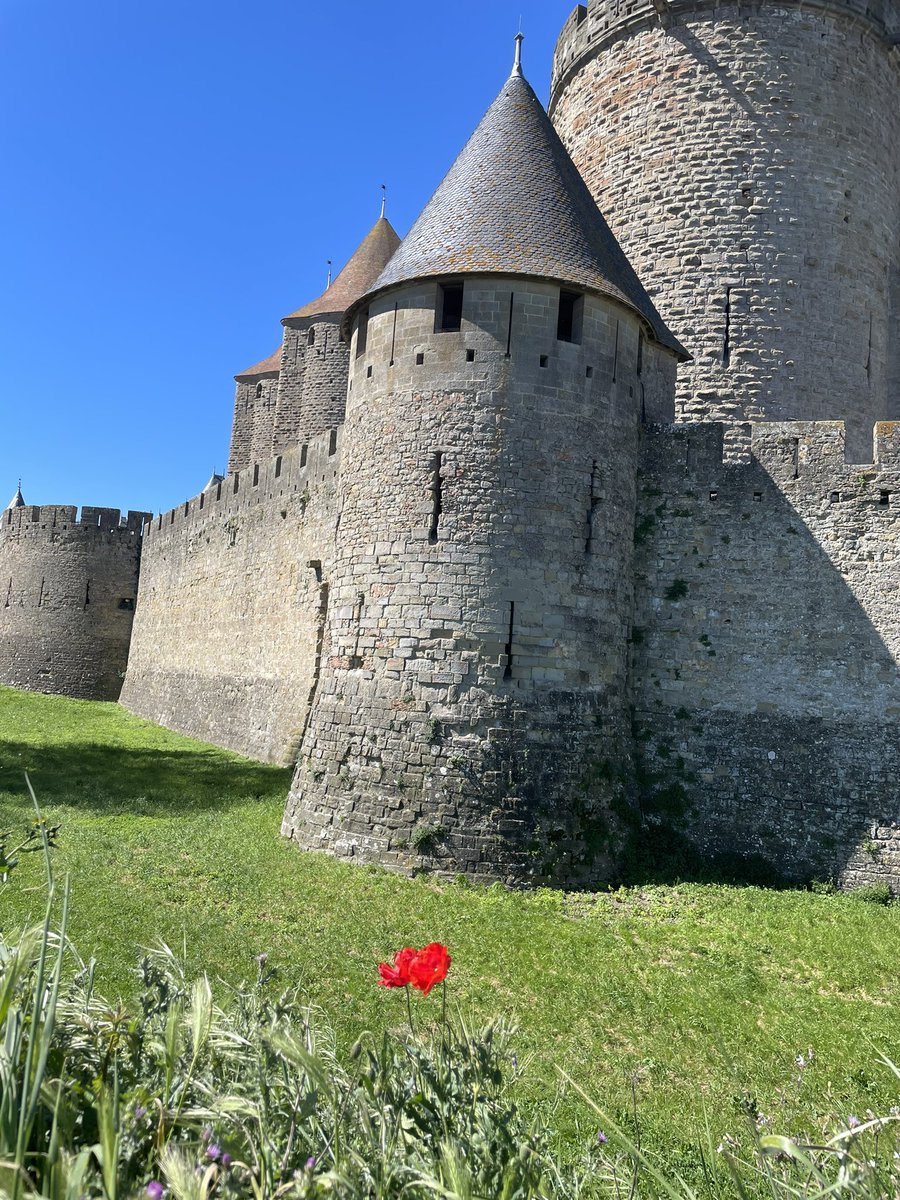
[
  {"x": 311, "y": 1163},
  {"x": 430, "y": 966},
  {"x": 602, "y": 1139},
  {"x": 140, "y": 1112},
  {"x": 213, "y": 1151},
  {"x": 853, "y": 1122},
  {"x": 225, "y": 1160},
  {"x": 154, "y": 1190},
  {"x": 398, "y": 974}
]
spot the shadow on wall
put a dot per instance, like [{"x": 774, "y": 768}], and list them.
[
  {"x": 106, "y": 780},
  {"x": 766, "y": 684}
]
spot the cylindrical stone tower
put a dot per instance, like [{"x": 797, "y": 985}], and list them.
[
  {"x": 470, "y": 712},
  {"x": 747, "y": 156},
  {"x": 68, "y": 596}
]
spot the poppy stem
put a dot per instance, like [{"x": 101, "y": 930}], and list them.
[
  {"x": 444, "y": 1003},
  {"x": 412, "y": 1028}
]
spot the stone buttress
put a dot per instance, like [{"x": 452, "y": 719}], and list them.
[{"x": 471, "y": 701}]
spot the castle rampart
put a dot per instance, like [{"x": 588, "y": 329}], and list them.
[
  {"x": 68, "y": 584},
  {"x": 766, "y": 644},
  {"x": 231, "y": 604},
  {"x": 747, "y": 157}
]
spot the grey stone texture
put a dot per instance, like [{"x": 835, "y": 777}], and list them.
[
  {"x": 747, "y": 157},
  {"x": 475, "y": 653},
  {"x": 233, "y": 588},
  {"x": 68, "y": 585},
  {"x": 766, "y": 643}
]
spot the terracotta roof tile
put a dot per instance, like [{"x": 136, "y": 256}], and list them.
[
  {"x": 370, "y": 258},
  {"x": 268, "y": 368}
]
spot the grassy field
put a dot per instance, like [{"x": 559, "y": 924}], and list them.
[{"x": 701, "y": 997}]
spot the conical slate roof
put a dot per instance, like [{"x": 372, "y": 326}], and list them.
[
  {"x": 18, "y": 500},
  {"x": 370, "y": 258},
  {"x": 268, "y": 366},
  {"x": 514, "y": 203}
]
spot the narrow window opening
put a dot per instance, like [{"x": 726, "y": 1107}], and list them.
[
  {"x": 394, "y": 335},
  {"x": 589, "y": 372},
  {"x": 255, "y": 474},
  {"x": 202, "y": 494},
  {"x": 237, "y": 482},
  {"x": 311, "y": 336},
  {"x": 172, "y": 517},
  {"x": 616, "y": 354},
  {"x": 304, "y": 450},
  {"x": 713, "y": 496},
  {"x": 545, "y": 359},
  {"x": 187, "y": 507},
  {"x": 569, "y": 320},
  {"x": 884, "y": 498},
  {"x": 796, "y": 455},
  {"x": 127, "y": 604},
  {"x": 512, "y": 301},
  {"x": 87, "y": 593},
  {"x": 258, "y": 390},
  {"x": 757, "y": 496},
  {"x": 834, "y": 497},
  {"x": 332, "y": 442},
  {"x": 362, "y": 334},
  {"x": 420, "y": 359},
  {"x": 41, "y": 595},
  {"x": 450, "y": 302},
  {"x": 316, "y": 565},
  {"x": 437, "y": 498},
  {"x": 277, "y": 466},
  {"x": 869, "y": 353},
  {"x": 356, "y": 658},
  {"x": 592, "y": 507},
  {"x": 219, "y": 490},
  {"x": 726, "y": 333},
  {"x": 8, "y": 593},
  {"x": 507, "y": 670},
  {"x": 470, "y": 356},
  {"x": 368, "y": 372},
  {"x": 640, "y": 354}
]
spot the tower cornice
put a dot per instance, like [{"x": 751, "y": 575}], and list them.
[{"x": 592, "y": 27}]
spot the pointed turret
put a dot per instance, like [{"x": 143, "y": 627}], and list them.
[
  {"x": 514, "y": 203},
  {"x": 369, "y": 259},
  {"x": 18, "y": 500}
]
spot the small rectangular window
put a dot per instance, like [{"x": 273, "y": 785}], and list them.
[
  {"x": 277, "y": 466},
  {"x": 568, "y": 324},
  {"x": 884, "y": 498},
  {"x": 450, "y": 303},
  {"x": 362, "y": 333}
]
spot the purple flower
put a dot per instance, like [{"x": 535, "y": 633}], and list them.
[
  {"x": 140, "y": 1112},
  {"x": 155, "y": 1190},
  {"x": 310, "y": 1163},
  {"x": 602, "y": 1139},
  {"x": 213, "y": 1151},
  {"x": 852, "y": 1122},
  {"x": 226, "y": 1160}
]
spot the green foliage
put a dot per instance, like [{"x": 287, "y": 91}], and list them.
[
  {"x": 873, "y": 893},
  {"x": 427, "y": 838},
  {"x": 676, "y": 590},
  {"x": 687, "y": 991}
]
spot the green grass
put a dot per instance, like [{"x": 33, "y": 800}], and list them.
[{"x": 699, "y": 994}]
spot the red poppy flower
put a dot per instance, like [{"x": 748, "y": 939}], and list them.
[
  {"x": 430, "y": 966},
  {"x": 398, "y": 974}
]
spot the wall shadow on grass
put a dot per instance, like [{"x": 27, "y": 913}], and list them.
[{"x": 103, "y": 779}]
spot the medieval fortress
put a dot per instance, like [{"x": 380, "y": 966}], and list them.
[{"x": 545, "y": 530}]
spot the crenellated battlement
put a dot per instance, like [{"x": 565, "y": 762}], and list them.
[
  {"x": 60, "y": 518},
  {"x": 789, "y": 451},
  {"x": 593, "y": 26},
  {"x": 296, "y": 470}
]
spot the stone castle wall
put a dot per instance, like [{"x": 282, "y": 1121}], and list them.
[
  {"x": 765, "y": 646},
  {"x": 232, "y": 599},
  {"x": 475, "y": 658},
  {"x": 747, "y": 157},
  {"x": 67, "y": 594}
]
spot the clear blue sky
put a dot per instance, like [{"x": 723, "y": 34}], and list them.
[{"x": 175, "y": 176}]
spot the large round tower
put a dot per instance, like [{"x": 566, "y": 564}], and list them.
[
  {"x": 747, "y": 156},
  {"x": 470, "y": 708}
]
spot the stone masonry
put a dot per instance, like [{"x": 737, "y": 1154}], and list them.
[{"x": 548, "y": 532}]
